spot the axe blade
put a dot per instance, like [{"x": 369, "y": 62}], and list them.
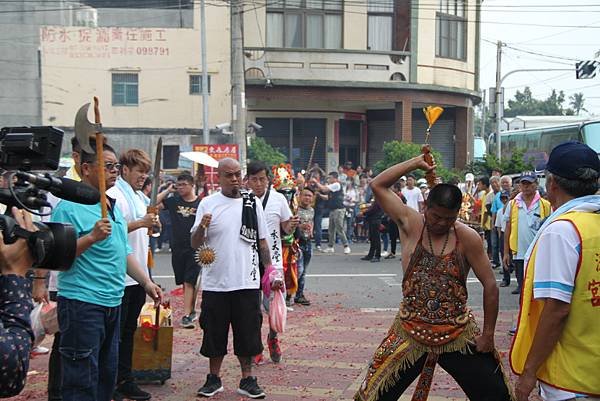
[{"x": 84, "y": 129}]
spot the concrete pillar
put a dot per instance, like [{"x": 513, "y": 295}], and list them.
[
  {"x": 403, "y": 121},
  {"x": 463, "y": 145}
]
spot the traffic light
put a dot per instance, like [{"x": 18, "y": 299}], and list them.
[{"x": 586, "y": 69}]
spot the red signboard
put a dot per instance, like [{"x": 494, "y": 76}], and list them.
[{"x": 218, "y": 152}]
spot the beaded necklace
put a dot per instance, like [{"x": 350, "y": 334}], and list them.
[{"x": 431, "y": 244}]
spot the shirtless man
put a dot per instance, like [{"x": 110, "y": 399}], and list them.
[{"x": 434, "y": 324}]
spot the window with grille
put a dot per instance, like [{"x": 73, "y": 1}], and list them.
[
  {"x": 380, "y": 20},
  {"x": 196, "y": 84},
  {"x": 311, "y": 24},
  {"x": 125, "y": 89},
  {"x": 451, "y": 30}
]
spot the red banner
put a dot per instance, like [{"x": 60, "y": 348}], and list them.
[{"x": 218, "y": 152}]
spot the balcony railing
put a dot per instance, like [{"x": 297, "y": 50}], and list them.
[{"x": 326, "y": 65}]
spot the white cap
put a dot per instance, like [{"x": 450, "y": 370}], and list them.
[
  {"x": 469, "y": 177},
  {"x": 422, "y": 181},
  {"x": 403, "y": 178},
  {"x": 423, "y": 185}
]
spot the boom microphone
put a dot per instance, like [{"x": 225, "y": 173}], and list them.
[{"x": 64, "y": 188}]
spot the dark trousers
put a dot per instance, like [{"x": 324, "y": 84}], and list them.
[
  {"x": 303, "y": 261},
  {"x": 374, "y": 239},
  {"x": 318, "y": 229},
  {"x": 54, "y": 367},
  {"x": 488, "y": 240},
  {"x": 131, "y": 306},
  {"x": 89, "y": 348},
  {"x": 519, "y": 266},
  {"x": 479, "y": 375},
  {"x": 495, "y": 245},
  {"x": 506, "y": 270},
  {"x": 394, "y": 235}
]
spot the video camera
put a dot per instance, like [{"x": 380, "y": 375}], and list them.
[{"x": 25, "y": 149}]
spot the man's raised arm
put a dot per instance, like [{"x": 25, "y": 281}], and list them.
[{"x": 387, "y": 199}]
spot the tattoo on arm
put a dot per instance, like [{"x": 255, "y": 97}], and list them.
[{"x": 265, "y": 255}]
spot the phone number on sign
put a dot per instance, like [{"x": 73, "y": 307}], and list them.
[{"x": 152, "y": 51}]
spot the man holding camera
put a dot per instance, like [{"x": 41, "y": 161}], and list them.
[
  {"x": 15, "y": 306},
  {"x": 90, "y": 293}
]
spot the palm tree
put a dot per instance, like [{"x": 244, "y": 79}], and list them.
[{"x": 577, "y": 101}]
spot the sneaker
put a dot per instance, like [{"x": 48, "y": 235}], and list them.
[
  {"x": 390, "y": 256},
  {"x": 274, "y": 350},
  {"x": 187, "y": 322},
  {"x": 516, "y": 291},
  {"x": 131, "y": 391},
  {"x": 375, "y": 260},
  {"x": 512, "y": 331},
  {"x": 289, "y": 308},
  {"x": 366, "y": 258},
  {"x": 193, "y": 316},
  {"x": 302, "y": 301},
  {"x": 39, "y": 350},
  {"x": 347, "y": 250},
  {"x": 504, "y": 284},
  {"x": 211, "y": 387},
  {"x": 250, "y": 388},
  {"x": 384, "y": 254},
  {"x": 329, "y": 250},
  {"x": 318, "y": 248}
]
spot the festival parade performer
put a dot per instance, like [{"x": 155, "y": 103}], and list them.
[
  {"x": 557, "y": 341},
  {"x": 434, "y": 324}
]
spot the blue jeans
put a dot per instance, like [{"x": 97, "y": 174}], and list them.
[
  {"x": 303, "y": 262},
  {"x": 495, "y": 246},
  {"x": 89, "y": 348}
]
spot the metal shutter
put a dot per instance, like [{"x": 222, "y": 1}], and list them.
[
  {"x": 380, "y": 129},
  {"x": 305, "y": 131},
  {"x": 442, "y": 134}
]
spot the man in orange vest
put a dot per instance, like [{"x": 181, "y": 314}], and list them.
[
  {"x": 557, "y": 341},
  {"x": 524, "y": 216}
]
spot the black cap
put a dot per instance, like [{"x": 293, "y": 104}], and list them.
[{"x": 566, "y": 158}]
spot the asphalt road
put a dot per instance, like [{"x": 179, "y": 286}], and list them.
[{"x": 355, "y": 283}]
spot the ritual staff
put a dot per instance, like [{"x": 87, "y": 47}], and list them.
[
  {"x": 557, "y": 341},
  {"x": 434, "y": 324}
]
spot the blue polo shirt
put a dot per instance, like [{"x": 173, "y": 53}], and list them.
[
  {"x": 497, "y": 203},
  {"x": 530, "y": 222},
  {"x": 98, "y": 274}
]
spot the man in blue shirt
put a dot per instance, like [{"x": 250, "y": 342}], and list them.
[{"x": 89, "y": 294}]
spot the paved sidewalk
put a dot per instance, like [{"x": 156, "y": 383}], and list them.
[{"x": 325, "y": 350}]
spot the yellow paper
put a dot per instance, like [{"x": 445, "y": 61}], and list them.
[{"x": 432, "y": 113}]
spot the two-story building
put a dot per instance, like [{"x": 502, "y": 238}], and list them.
[{"x": 357, "y": 74}]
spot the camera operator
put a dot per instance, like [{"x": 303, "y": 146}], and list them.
[{"x": 15, "y": 306}]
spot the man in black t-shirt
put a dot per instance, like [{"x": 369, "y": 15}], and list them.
[{"x": 182, "y": 210}]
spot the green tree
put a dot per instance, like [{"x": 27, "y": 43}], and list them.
[
  {"x": 577, "y": 101},
  {"x": 525, "y": 104},
  {"x": 261, "y": 150},
  {"x": 515, "y": 165},
  {"x": 395, "y": 152}
]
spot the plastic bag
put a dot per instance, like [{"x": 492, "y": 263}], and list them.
[
  {"x": 278, "y": 312},
  {"x": 39, "y": 332},
  {"x": 49, "y": 318}
]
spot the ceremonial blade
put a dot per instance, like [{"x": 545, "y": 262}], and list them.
[{"x": 156, "y": 178}]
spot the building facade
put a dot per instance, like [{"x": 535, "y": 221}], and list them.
[{"x": 357, "y": 74}]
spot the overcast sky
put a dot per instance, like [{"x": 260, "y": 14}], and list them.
[{"x": 564, "y": 30}]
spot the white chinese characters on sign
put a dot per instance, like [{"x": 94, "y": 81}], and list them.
[{"x": 80, "y": 43}]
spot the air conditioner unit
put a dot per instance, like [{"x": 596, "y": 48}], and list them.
[{"x": 85, "y": 16}]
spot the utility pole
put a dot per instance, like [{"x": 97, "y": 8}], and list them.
[
  {"x": 238, "y": 96},
  {"x": 498, "y": 97},
  {"x": 483, "y": 116},
  {"x": 205, "y": 127}
]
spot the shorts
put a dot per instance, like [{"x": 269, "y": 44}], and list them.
[
  {"x": 241, "y": 310},
  {"x": 184, "y": 266}
]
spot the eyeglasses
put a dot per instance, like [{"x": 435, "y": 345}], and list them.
[{"x": 111, "y": 166}]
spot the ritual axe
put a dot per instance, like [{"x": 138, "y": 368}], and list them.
[{"x": 84, "y": 129}]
